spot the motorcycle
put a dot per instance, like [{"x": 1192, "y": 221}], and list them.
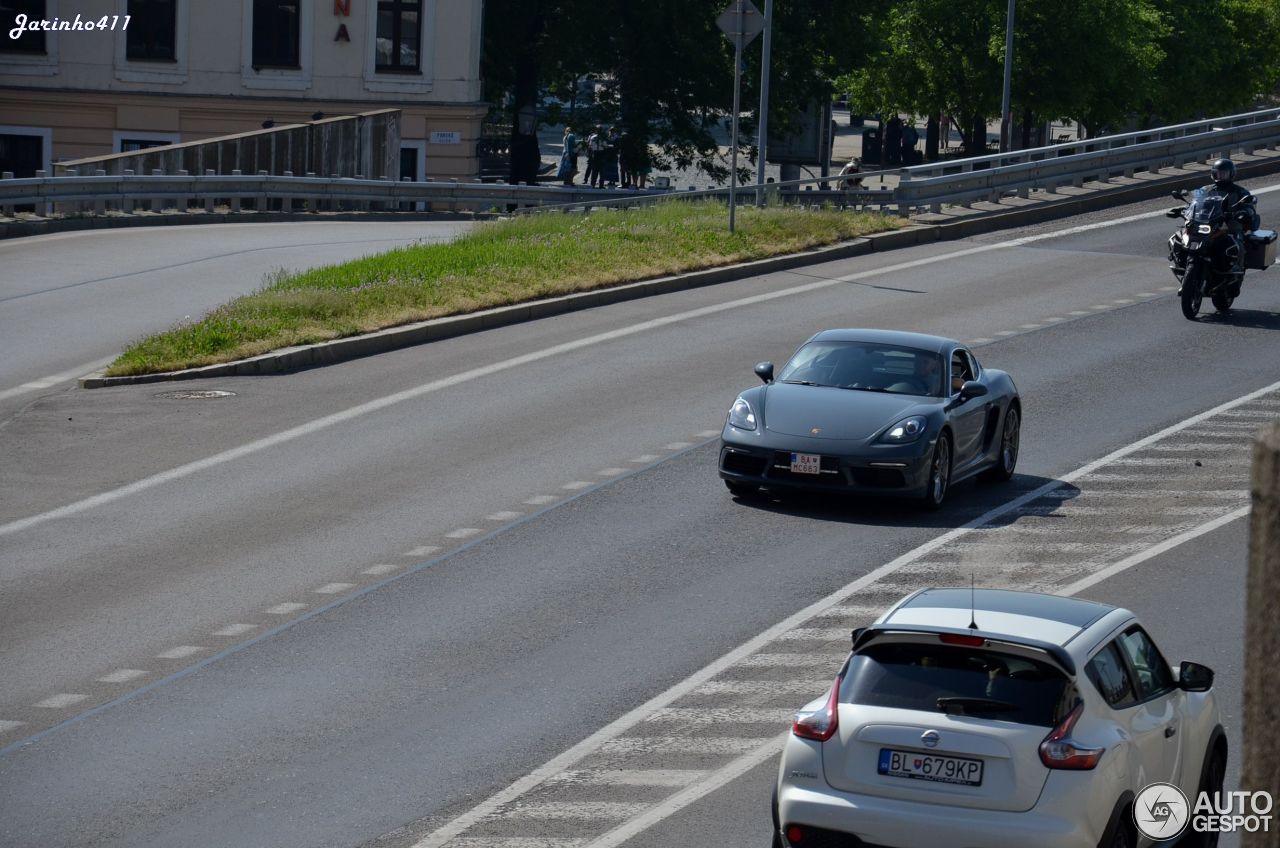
[{"x": 1203, "y": 252}]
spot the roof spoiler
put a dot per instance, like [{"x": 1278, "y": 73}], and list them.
[{"x": 863, "y": 635}]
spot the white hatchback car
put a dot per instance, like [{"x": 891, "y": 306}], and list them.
[{"x": 996, "y": 719}]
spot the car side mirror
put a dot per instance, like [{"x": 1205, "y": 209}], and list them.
[
  {"x": 1194, "y": 677},
  {"x": 972, "y": 389},
  {"x": 765, "y": 371}
]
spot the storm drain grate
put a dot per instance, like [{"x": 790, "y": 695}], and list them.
[{"x": 190, "y": 394}]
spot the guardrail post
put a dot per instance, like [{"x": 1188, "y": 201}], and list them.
[
  {"x": 99, "y": 203},
  {"x": 904, "y": 207},
  {"x": 453, "y": 195},
  {"x": 7, "y": 209},
  {"x": 1261, "y": 770},
  {"x": 309, "y": 203},
  {"x": 183, "y": 201},
  {"x": 208, "y": 197},
  {"x": 127, "y": 203},
  {"x": 72, "y": 207},
  {"x": 286, "y": 202},
  {"x": 155, "y": 201},
  {"x": 235, "y": 198},
  {"x": 260, "y": 201}
]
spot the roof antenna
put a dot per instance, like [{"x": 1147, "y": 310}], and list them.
[{"x": 973, "y": 623}]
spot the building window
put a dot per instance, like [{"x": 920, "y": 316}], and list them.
[
  {"x": 275, "y": 34},
  {"x": 399, "y": 35},
  {"x": 153, "y": 26},
  {"x": 28, "y": 42},
  {"x": 129, "y": 145},
  {"x": 21, "y": 154}
]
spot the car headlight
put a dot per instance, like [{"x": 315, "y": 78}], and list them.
[
  {"x": 905, "y": 431},
  {"x": 741, "y": 416}
]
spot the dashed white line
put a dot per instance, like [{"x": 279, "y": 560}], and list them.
[
  {"x": 679, "y": 745},
  {"x": 57, "y": 702},
  {"x": 286, "y": 609},
  {"x": 675, "y": 446},
  {"x": 505, "y": 515},
  {"x": 1078, "y": 312},
  {"x": 463, "y": 533},
  {"x": 421, "y": 551},
  {"x": 54, "y": 379},
  {"x": 578, "y": 810},
  {"x": 632, "y": 777},
  {"x": 180, "y": 652},
  {"x": 982, "y": 341},
  {"x": 1030, "y": 326},
  {"x": 578, "y": 484},
  {"x": 539, "y": 500},
  {"x": 1006, "y": 333},
  {"x": 706, "y": 434},
  {"x": 122, "y": 675},
  {"x": 333, "y": 588},
  {"x": 611, "y": 472},
  {"x": 1123, "y": 300},
  {"x": 6, "y": 726},
  {"x": 645, "y": 459},
  {"x": 380, "y": 569},
  {"x": 235, "y": 630}
]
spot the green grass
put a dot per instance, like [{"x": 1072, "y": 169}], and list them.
[{"x": 495, "y": 264}]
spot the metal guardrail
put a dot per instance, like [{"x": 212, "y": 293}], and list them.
[{"x": 929, "y": 186}]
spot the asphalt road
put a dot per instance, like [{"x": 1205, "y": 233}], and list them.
[
  {"x": 352, "y": 602},
  {"x": 71, "y": 300}
]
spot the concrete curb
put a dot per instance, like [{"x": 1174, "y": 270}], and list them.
[{"x": 395, "y": 338}]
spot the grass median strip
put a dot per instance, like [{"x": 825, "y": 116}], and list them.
[{"x": 495, "y": 264}]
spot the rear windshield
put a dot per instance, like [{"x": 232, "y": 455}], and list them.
[{"x": 958, "y": 680}]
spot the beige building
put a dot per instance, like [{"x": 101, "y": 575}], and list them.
[{"x": 85, "y": 78}]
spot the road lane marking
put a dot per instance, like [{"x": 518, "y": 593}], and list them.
[
  {"x": 122, "y": 675},
  {"x": 578, "y": 485},
  {"x": 61, "y": 701},
  {"x": 286, "y": 609},
  {"x": 611, "y": 472},
  {"x": 505, "y": 515},
  {"x": 181, "y": 652},
  {"x": 55, "y": 379},
  {"x": 381, "y": 568},
  {"x": 235, "y": 630},
  {"x": 421, "y": 551},
  {"x": 463, "y": 533},
  {"x": 6, "y": 726},
  {"x": 333, "y": 588},
  {"x": 761, "y": 655},
  {"x": 539, "y": 500},
  {"x": 633, "y": 777}
]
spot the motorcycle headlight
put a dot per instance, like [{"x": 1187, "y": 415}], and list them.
[
  {"x": 905, "y": 431},
  {"x": 741, "y": 416},
  {"x": 1204, "y": 229}
]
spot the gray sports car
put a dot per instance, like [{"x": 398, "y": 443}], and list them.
[{"x": 873, "y": 412}]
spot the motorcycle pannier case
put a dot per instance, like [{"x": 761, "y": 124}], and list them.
[{"x": 1260, "y": 249}]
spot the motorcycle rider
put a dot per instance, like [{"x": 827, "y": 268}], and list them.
[{"x": 1243, "y": 216}]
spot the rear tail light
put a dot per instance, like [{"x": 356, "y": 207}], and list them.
[
  {"x": 1060, "y": 751},
  {"x": 820, "y": 724}
]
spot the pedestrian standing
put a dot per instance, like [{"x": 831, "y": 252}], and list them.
[
  {"x": 611, "y": 158},
  {"x": 568, "y": 157},
  {"x": 595, "y": 150}
]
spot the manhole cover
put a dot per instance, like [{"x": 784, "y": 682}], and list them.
[{"x": 195, "y": 395}]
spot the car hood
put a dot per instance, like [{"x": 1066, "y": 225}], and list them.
[{"x": 795, "y": 410}]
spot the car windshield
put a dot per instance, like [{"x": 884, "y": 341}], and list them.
[
  {"x": 961, "y": 681},
  {"x": 867, "y": 366}
]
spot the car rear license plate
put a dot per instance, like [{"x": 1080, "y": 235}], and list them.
[
  {"x": 930, "y": 767},
  {"x": 806, "y": 463}
]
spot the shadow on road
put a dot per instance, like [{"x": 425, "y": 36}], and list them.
[
  {"x": 1253, "y": 318},
  {"x": 965, "y": 502}
]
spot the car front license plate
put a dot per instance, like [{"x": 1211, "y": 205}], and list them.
[
  {"x": 806, "y": 463},
  {"x": 930, "y": 767}
]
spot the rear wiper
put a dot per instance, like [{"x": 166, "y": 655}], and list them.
[{"x": 964, "y": 706}]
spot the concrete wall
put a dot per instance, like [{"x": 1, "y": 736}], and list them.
[{"x": 365, "y": 145}]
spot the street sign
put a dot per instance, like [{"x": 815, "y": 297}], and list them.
[{"x": 745, "y": 24}]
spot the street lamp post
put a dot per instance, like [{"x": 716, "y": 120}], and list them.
[{"x": 1006, "y": 121}]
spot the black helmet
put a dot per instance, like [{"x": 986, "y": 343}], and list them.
[{"x": 1224, "y": 171}]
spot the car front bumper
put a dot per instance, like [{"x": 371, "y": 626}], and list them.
[{"x": 894, "y": 470}]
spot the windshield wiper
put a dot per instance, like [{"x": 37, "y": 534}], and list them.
[
  {"x": 799, "y": 382},
  {"x": 963, "y": 706},
  {"x": 867, "y": 389}
]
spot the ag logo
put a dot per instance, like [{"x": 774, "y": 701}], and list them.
[{"x": 1160, "y": 811}]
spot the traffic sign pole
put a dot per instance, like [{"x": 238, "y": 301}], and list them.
[
  {"x": 741, "y": 22},
  {"x": 764, "y": 100}
]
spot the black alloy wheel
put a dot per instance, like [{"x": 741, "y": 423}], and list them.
[
  {"x": 1010, "y": 437},
  {"x": 1123, "y": 837},
  {"x": 1214, "y": 778},
  {"x": 939, "y": 474}
]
